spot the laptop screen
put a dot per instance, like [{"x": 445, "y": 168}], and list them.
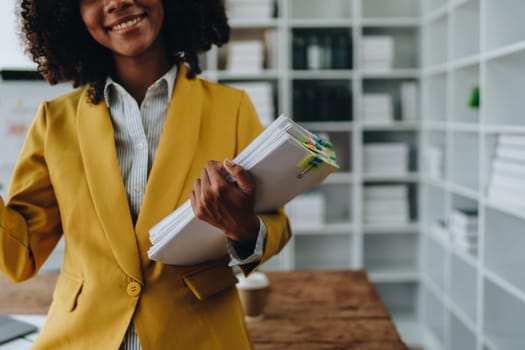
[{"x": 11, "y": 329}]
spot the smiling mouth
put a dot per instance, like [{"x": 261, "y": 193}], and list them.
[{"x": 127, "y": 24}]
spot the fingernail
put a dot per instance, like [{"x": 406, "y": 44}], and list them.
[{"x": 228, "y": 163}]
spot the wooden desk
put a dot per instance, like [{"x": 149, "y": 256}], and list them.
[{"x": 321, "y": 310}]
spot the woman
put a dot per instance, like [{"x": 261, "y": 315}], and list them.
[{"x": 103, "y": 164}]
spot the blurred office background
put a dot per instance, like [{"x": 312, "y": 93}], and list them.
[{"x": 422, "y": 101}]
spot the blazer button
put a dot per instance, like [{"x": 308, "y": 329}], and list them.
[{"x": 133, "y": 289}]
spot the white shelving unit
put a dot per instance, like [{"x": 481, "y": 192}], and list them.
[
  {"x": 471, "y": 300},
  {"x": 389, "y": 251}
]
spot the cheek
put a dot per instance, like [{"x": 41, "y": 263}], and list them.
[{"x": 90, "y": 18}]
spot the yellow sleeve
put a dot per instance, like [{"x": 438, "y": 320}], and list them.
[
  {"x": 277, "y": 224},
  {"x": 30, "y": 221}
]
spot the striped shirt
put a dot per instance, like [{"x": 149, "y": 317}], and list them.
[{"x": 137, "y": 133}]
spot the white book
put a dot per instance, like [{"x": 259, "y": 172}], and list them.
[
  {"x": 512, "y": 140},
  {"x": 284, "y": 164},
  {"x": 510, "y": 168},
  {"x": 511, "y": 182},
  {"x": 510, "y": 152}
]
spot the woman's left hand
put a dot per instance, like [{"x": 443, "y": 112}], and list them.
[{"x": 224, "y": 203}]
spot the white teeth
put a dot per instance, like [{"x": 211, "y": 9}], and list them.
[{"x": 126, "y": 24}]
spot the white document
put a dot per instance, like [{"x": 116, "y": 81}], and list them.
[{"x": 284, "y": 161}]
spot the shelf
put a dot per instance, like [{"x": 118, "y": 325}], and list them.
[
  {"x": 328, "y": 126},
  {"x": 435, "y": 97},
  {"x": 435, "y": 125},
  {"x": 499, "y": 129},
  {"x": 466, "y": 62},
  {"x": 392, "y": 275},
  {"x": 433, "y": 263},
  {"x": 504, "y": 318},
  {"x": 391, "y": 257},
  {"x": 503, "y": 257},
  {"x": 436, "y": 69},
  {"x": 463, "y": 288},
  {"x": 392, "y": 126},
  {"x": 463, "y": 191},
  {"x": 466, "y": 24},
  {"x": 504, "y": 25},
  {"x": 320, "y": 23},
  {"x": 464, "y": 82},
  {"x": 464, "y": 160},
  {"x": 462, "y": 337},
  {"x": 433, "y": 314},
  {"x": 504, "y": 51},
  {"x": 262, "y": 75},
  {"x": 504, "y": 90},
  {"x": 241, "y": 23},
  {"x": 471, "y": 127},
  {"x": 435, "y": 42},
  {"x": 390, "y": 10},
  {"x": 326, "y": 229},
  {"x": 343, "y": 74},
  {"x": 319, "y": 252},
  {"x": 373, "y": 229},
  {"x": 399, "y": 73},
  {"x": 406, "y": 177},
  {"x": 405, "y": 46},
  {"x": 391, "y": 22},
  {"x": 339, "y": 178}
]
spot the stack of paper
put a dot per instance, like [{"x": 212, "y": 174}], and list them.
[
  {"x": 463, "y": 228},
  {"x": 261, "y": 95},
  {"x": 385, "y": 158},
  {"x": 507, "y": 179},
  {"x": 285, "y": 160},
  {"x": 386, "y": 204},
  {"x": 377, "y": 52},
  {"x": 246, "y": 56},
  {"x": 377, "y": 108},
  {"x": 250, "y": 9},
  {"x": 307, "y": 210}
]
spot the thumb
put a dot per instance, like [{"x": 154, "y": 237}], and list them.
[{"x": 244, "y": 179}]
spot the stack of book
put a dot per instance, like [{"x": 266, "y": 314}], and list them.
[
  {"x": 261, "y": 95},
  {"x": 246, "y": 56},
  {"x": 285, "y": 161},
  {"x": 409, "y": 98},
  {"x": 250, "y": 9},
  {"x": 377, "y": 108},
  {"x": 385, "y": 158},
  {"x": 307, "y": 210},
  {"x": 507, "y": 178},
  {"x": 463, "y": 227},
  {"x": 433, "y": 162},
  {"x": 377, "y": 52},
  {"x": 386, "y": 204}
]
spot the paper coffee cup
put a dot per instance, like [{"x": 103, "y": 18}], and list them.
[{"x": 253, "y": 291}]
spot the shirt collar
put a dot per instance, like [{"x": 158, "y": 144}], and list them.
[{"x": 169, "y": 78}]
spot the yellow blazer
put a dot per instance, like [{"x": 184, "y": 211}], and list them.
[{"x": 68, "y": 181}]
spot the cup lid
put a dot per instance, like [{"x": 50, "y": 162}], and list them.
[{"x": 254, "y": 281}]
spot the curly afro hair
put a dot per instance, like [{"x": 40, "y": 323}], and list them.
[{"x": 58, "y": 41}]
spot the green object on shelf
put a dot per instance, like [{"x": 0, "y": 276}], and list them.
[{"x": 474, "y": 97}]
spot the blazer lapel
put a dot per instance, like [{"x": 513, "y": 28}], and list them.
[
  {"x": 97, "y": 145},
  {"x": 177, "y": 146}
]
